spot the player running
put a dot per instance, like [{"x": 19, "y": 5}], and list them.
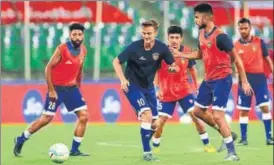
[
  {"x": 175, "y": 87},
  {"x": 216, "y": 49},
  {"x": 143, "y": 58},
  {"x": 63, "y": 75},
  {"x": 253, "y": 52}
]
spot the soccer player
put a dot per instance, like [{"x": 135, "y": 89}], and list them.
[
  {"x": 143, "y": 58},
  {"x": 175, "y": 87},
  {"x": 63, "y": 75},
  {"x": 253, "y": 52},
  {"x": 216, "y": 49}
]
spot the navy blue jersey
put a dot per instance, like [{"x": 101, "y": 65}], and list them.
[{"x": 142, "y": 64}]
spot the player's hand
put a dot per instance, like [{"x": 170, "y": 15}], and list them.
[
  {"x": 247, "y": 89},
  {"x": 124, "y": 85},
  {"x": 53, "y": 95},
  {"x": 159, "y": 94},
  {"x": 173, "y": 69}
]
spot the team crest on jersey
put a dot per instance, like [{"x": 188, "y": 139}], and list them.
[
  {"x": 209, "y": 44},
  {"x": 155, "y": 56},
  {"x": 254, "y": 48},
  {"x": 241, "y": 51}
]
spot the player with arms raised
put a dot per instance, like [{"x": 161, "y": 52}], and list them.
[
  {"x": 253, "y": 53},
  {"x": 63, "y": 75},
  {"x": 143, "y": 58},
  {"x": 216, "y": 49},
  {"x": 175, "y": 87}
]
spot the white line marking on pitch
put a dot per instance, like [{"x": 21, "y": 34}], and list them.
[{"x": 117, "y": 145}]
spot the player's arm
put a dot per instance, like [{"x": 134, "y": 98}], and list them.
[
  {"x": 266, "y": 56},
  {"x": 117, "y": 65},
  {"x": 55, "y": 59},
  {"x": 225, "y": 44},
  {"x": 189, "y": 55},
  {"x": 193, "y": 72},
  {"x": 80, "y": 76},
  {"x": 169, "y": 59}
]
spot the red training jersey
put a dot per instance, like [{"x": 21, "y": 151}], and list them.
[
  {"x": 66, "y": 71},
  {"x": 174, "y": 85},
  {"x": 217, "y": 63},
  {"x": 251, "y": 55}
]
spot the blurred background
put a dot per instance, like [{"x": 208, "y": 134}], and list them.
[{"x": 31, "y": 31}]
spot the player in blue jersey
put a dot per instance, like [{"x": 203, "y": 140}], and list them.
[{"x": 143, "y": 58}]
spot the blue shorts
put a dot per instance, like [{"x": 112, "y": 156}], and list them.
[
  {"x": 167, "y": 108},
  {"x": 215, "y": 93},
  {"x": 70, "y": 96},
  {"x": 142, "y": 100},
  {"x": 259, "y": 85}
]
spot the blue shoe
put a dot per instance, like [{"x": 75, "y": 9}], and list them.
[
  {"x": 78, "y": 153},
  {"x": 243, "y": 142},
  {"x": 18, "y": 146}
]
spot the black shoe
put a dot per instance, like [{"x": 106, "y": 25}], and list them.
[
  {"x": 270, "y": 141},
  {"x": 78, "y": 153},
  {"x": 17, "y": 146},
  {"x": 243, "y": 142},
  {"x": 234, "y": 136}
]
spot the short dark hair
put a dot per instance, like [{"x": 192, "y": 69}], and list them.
[
  {"x": 244, "y": 20},
  {"x": 76, "y": 26},
  {"x": 203, "y": 8},
  {"x": 152, "y": 23},
  {"x": 175, "y": 30}
]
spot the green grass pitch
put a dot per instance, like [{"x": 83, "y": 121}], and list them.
[{"x": 121, "y": 145}]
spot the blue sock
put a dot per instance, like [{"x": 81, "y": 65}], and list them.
[
  {"x": 230, "y": 145},
  {"x": 204, "y": 138},
  {"x": 146, "y": 136},
  {"x": 267, "y": 124},
  {"x": 243, "y": 125},
  {"x": 76, "y": 143}
]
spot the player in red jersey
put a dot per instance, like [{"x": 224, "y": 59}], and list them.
[
  {"x": 175, "y": 87},
  {"x": 63, "y": 75},
  {"x": 216, "y": 49},
  {"x": 254, "y": 54}
]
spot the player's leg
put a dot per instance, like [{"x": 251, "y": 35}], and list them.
[
  {"x": 221, "y": 93},
  {"x": 263, "y": 101},
  {"x": 244, "y": 106},
  {"x": 138, "y": 101},
  {"x": 74, "y": 102},
  {"x": 187, "y": 104},
  {"x": 50, "y": 108},
  {"x": 165, "y": 110},
  {"x": 202, "y": 103}
]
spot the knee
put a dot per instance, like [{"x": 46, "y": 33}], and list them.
[
  {"x": 146, "y": 116},
  {"x": 46, "y": 119},
  {"x": 83, "y": 118},
  {"x": 217, "y": 118}
]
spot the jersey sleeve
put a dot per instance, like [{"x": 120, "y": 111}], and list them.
[
  {"x": 264, "y": 48},
  {"x": 224, "y": 43},
  {"x": 124, "y": 55},
  {"x": 167, "y": 55},
  {"x": 191, "y": 63}
]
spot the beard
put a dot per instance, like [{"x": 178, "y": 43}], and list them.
[
  {"x": 244, "y": 36},
  {"x": 76, "y": 43}
]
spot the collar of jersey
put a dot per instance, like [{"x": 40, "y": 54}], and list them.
[
  {"x": 209, "y": 34},
  {"x": 245, "y": 42},
  {"x": 72, "y": 49}
]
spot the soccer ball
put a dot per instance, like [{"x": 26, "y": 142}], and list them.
[{"x": 58, "y": 153}]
